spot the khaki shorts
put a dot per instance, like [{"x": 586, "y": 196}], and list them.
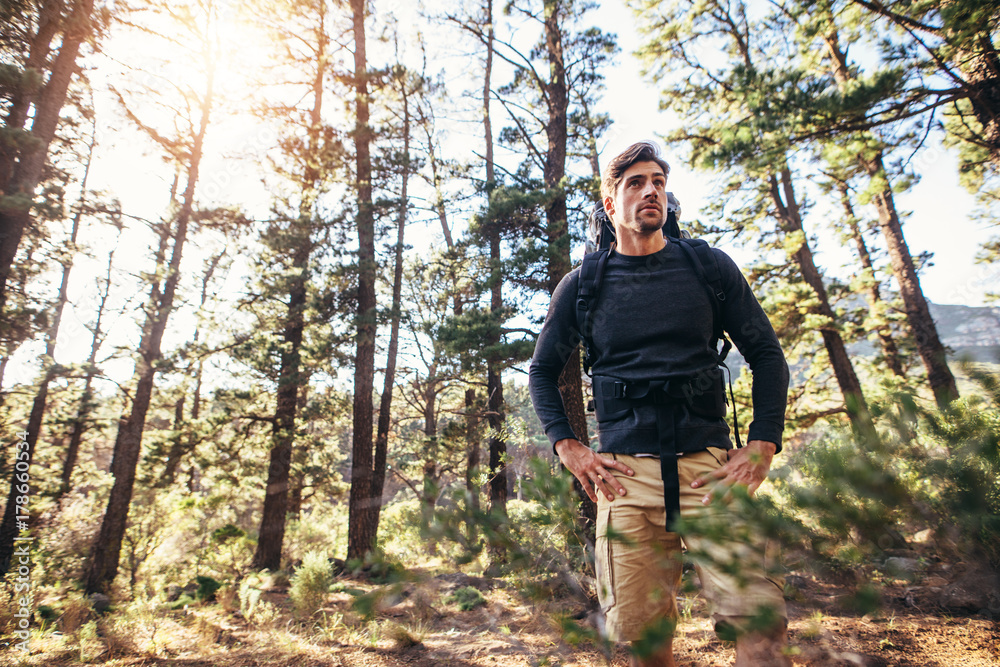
[{"x": 638, "y": 562}]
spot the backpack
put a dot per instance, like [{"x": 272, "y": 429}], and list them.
[{"x": 699, "y": 255}]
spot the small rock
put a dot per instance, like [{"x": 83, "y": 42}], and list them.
[
  {"x": 923, "y": 537},
  {"x": 935, "y": 582}
]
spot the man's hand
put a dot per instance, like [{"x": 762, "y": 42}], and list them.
[
  {"x": 591, "y": 468},
  {"x": 747, "y": 466}
]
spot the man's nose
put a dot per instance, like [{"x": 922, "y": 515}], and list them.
[{"x": 649, "y": 191}]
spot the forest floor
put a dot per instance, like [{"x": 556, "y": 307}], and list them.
[{"x": 418, "y": 623}]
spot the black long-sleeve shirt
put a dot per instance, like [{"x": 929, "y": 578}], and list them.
[{"x": 653, "y": 320}]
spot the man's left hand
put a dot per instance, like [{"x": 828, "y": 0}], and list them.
[{"x": 747, "y": 466}]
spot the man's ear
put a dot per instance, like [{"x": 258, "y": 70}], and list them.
[{"x": 609, "y": 207}]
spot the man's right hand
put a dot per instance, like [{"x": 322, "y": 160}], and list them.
[{"x": 592, "y": 469}]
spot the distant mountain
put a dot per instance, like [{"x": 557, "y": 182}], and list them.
[{"x": 970, "y": 332}]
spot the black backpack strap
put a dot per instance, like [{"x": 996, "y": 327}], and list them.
[
  {"x": 591, "y": 273},
  {"x": 706, "y": 266}
]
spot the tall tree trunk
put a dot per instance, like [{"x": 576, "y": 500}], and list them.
[
  {"x": 102, "y": 566},
  {"x": 791, "y": 222},
  {"x": 557, "y": 228},
  {"x": 361, "y": 534},
  {"x": 385, "y": 402},
  {"x": 877, "y": 307},
  {"x": 272, "y": 522},
  {"x": 918, "y": 315},
  {"x": 929, "y": 345},
  {"x": 497, "y": 485},
  {"x": 291, "y": 378},
  {"x": 20, "y": 177}
]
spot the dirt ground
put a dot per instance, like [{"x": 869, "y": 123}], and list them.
[{"x": 418, "y": 624}]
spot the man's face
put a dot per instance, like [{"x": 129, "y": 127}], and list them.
[{"x": 640, "y": 202}]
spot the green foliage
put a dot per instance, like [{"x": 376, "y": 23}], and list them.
[
  {"x": 207, "y": 586},
  {"x": 467, "y": 598},
  {"x": 399, "y": 528},
  {"x": 311, "y": 584},
  {"x": 846, "y": 501}
]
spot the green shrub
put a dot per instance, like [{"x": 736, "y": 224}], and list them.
[
  {"x": 467, "y": 598},
  {"x": 207, "y": 586},
  {"x": 847, "y": 499},
  {"x": 310, "y": 584}
]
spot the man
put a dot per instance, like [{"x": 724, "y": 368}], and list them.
[{"x": 660, "y": 406}]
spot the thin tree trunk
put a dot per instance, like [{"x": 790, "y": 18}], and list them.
[
  {"x": 361, "y": 534},
  {"x": 103, "y": 563},
  {"x": 843, "y": 369},
  {"x": 890, "y": 352},
  {"x": 291, "y": 378},
  {"x": 557, "y": 230},
  {"x": 497, "y": 485},
  {"x": 87, "y": 405},
  {"x": 185, "y": 442},
  {"x": 385, "y": 402},
  {"x": 929, "y": 346}
]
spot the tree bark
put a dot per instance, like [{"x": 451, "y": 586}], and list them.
[
  {"x": 929, "y": 346},
  {"x": 290, "y": 376},
  {"x": 791, "y": 222},
  {"x": 361, "y": 534},
  {"x": 497, "y": 484},
  {"x": 385, "y": 401},
  {"x": 890, "y": 352},
  {"x": 103, "y": 563}
]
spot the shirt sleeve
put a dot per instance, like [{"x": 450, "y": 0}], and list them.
[
  {"x": 751, "y": 331},
  {"x": 557, "y": 340}
]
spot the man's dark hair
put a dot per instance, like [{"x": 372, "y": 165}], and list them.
[{"x": 642, "y": 151}]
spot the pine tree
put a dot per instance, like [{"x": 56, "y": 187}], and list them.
[
  {"x": 362, "y": 533},
  {"x": 45, "y": 47},
  {"x": 818, "y": 27},
  {"x": 186, "y": 150},
  {"x": 303, "y": 33}
]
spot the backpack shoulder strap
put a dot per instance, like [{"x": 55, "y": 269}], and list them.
[
  {"x": 706, "y": 266},
  {"x": 588, "y": 288}
]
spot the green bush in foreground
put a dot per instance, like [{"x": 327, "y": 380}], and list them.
[{"x": 310, "y": 584}]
